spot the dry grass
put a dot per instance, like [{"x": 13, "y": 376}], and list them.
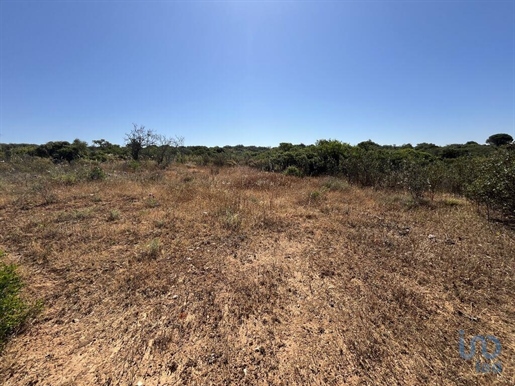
[{"x": 206, "y": 277}]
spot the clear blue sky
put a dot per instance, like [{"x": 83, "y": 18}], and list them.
[{"x": 258, "y": 72}]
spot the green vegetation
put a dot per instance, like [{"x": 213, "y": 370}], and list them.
[
  {"x": 499, "y": 139},
  {"x": 494, "y": 186},
  {"x": 14, "y": 311},
  {"x": 482, "y": 173}
]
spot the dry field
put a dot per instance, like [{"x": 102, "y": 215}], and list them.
[{"x": 199, "y": 276}]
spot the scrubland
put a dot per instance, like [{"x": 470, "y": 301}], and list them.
[{"x": 232, "y": 276}]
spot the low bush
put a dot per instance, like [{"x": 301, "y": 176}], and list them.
[
  {"x": 293, "y": 171},
  {"x": 14, "y": 311}
]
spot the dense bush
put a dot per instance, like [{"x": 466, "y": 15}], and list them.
[{"x": 494, "y": 186}]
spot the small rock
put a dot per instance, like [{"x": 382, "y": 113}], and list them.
[
  {"x": 175, "y": 296},
  {"x": 431, "y": 237},
  {"x": 75, "y": 320}
]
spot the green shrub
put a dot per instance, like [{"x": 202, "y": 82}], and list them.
[
  {"x": 415, "y": 179},
  {"x": 96, "y": 173},
  {"x": 336, "y": 184},
  {"x": 293, "y": 171},
  {"x": 495, "y": 185},
  {"x": 133, "y": 165},
  {"x": 13, "y": 310}
]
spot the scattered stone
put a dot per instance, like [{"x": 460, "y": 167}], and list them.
[{"x": 431, "y": 237}]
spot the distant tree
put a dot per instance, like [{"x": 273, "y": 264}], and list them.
[
  {"x": 285, "y": 146},
  {"x": 167, "y": 148},
  {"x": 62, "y": 150},
  {"x": 138, "y": 139},
  {"x": 102, "y": 143},
  {"x": 499, "y": 139},
  {"x": 425, "y": 146},
  {"x": 368, "y": 145}
]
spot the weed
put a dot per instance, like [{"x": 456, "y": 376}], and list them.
[
  {"x": 151, "y": 202},
  {"x": 230, "y": 219},
  {"x": 154, "y": 248},
  {"x": 314, "y": 197},
  {"x": 113, "y": 215}
]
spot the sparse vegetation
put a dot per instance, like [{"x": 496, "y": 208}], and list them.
[{"x": 190, "y": 273}]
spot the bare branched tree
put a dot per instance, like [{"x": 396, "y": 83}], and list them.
[
  {"x": 168, "y": 148},
  {"x": 138, "y": 139}
]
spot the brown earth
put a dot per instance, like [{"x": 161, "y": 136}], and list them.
[{"x": 201, "y": 276}]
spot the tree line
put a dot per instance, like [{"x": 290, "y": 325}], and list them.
[{"x": 485, "y": 173}]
